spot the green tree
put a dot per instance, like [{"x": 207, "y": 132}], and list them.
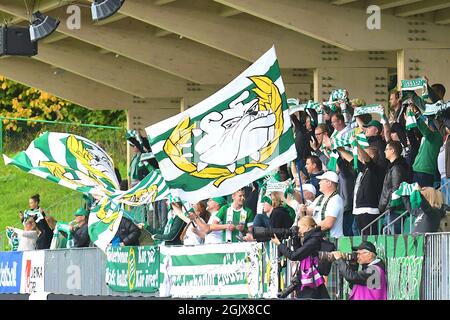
[{"x": 19, "y": 101}]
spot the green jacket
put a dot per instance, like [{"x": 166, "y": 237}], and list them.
[
  {"x": 173, "y": 236},
  {"x": 426, "y": 159}
]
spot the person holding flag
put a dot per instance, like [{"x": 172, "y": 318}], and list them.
[{"x": 80, "y": 233}]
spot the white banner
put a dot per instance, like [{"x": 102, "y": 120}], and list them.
[{"x": 32, "y": 279}]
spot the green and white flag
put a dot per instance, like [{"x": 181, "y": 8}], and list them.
[
  {"x": 79, "y": 164},
  {"x": 226, "y": 271},
  {"x": 230, "y": 139},
  {"x": 410, "y": 190},
  {"x": 152, "y": 188},
  {"x": 416, "y": 84},
  {"x": 410, "y": 120},
  {"x": 104, "y": 220},
  {"x": 69, "y": 160}
]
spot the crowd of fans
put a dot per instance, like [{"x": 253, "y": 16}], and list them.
[
  {"x": 352, "y": 198},
  {"x": 344, "y": 201}
]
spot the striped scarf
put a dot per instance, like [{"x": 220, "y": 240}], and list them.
[
  {"x": 416, "y": 84},
  {"x": 411, "y": 122},
  {"x": 353, "y": 138},
  {"x": 13, "y": 240},
  {"x": 36, "y": 214},
  {"x": 339, "y": 94},
  {"x": 371, "y": 108},
  {"x": 432, "y": 109},
  {"x": 410, "y": 190}
]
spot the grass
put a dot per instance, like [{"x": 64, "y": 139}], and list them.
[{"x": 17, "y": 186}]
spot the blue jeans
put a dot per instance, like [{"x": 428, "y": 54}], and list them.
[
  {"x": 355, "y": 229},
  {"x": 396, "y": 228},
  {"x": 445, "y": 189}
]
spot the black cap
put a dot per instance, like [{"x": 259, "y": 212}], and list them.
[{"x": 366, "y": 245}]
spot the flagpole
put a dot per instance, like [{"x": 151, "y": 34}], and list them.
[
  {"x": 134, "y": 221},
  {"x": 300, "y": 180}
]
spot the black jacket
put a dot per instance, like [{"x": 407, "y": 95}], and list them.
[
  {"x": 310, "y": 247},
  {"x": 44, "y": 239},
  {"x": 427, "y": 217},
  {"x": 371, "y": 184},
  {"x": 347, "y": 179},
  {"x": 302, "y": 138},
  {"x": 128, "y": 232},
  {"x": 396, "y": 174},
  {"x": 81, "y": 237},
  {"x": 352, "y": 275},
  {"x": 378, "y": 143},
  {"x": 279, "y": 218}
]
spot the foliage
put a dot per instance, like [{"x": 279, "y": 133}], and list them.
[{"x": 19, "y": 101}]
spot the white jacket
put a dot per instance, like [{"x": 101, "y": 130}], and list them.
[{"x": 27, "y": 239}]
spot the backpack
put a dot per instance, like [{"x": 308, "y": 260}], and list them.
[{"x": 324, "y": 266}]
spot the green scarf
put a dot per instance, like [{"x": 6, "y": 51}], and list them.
[{"x": 410, "y": 190}]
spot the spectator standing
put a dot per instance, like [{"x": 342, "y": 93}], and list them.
[
  {"x": 397, "y": 172},
  {"x": 327, "y": 209},
  {"x": 28, "y": 236},
  {"x": 233, "y": 219}
]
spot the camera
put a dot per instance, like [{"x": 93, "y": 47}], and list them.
[
  {"x": 287, "y": 291},
  {"x": 329, "y": 257},
  {"x": 262, "y": 234}
]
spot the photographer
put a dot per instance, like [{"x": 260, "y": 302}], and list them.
[
  {"x": 369, "y": 283},
  {"x": 311, "y": 283}
]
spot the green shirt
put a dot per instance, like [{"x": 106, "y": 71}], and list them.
[
  {"x": 221, "y": 216},
  {"x": 426, "y": 159}
]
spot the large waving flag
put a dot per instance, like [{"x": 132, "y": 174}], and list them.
[
  {"x": 69, "y": 160},
  {"x": 236, "y": 136},
  {"x": 79, "y": 164},
  {"x": 104, "y": 220},
  {"x": 152, "y": 188}
]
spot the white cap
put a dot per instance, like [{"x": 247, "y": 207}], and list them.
[
  {"x": 329, "y": 175},
  {"x": 308, "y": 187}
]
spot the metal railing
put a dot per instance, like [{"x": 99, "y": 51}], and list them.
[
  {"x": 391, "y": 223},
  {"x": 396, "y": 219},
  {"x": 436, "y": 275},
  {"x": 373, "y": 222}
]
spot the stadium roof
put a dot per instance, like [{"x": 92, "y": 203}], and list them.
[{"x": 155, "y": 53}]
